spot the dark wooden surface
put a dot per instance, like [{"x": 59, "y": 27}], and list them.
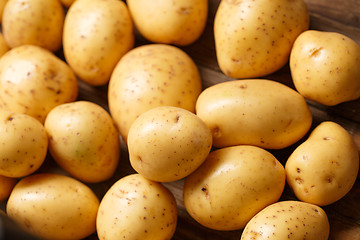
[{"x": 341, "y": 16}]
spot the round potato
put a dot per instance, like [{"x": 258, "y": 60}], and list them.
[
  {"x": 178, "y": 22},
  {"x": 6, "y": 186},
  {"x": 324, "y": 168},
  {"x": 150, "y": 76},
  {"x": 254, "y": 38},
  {"x": 325, "y": 67},
  {"x": 137, "y": 208},
  {"x": 233, "y": 185},
  {"x": 168, "y": 143},
  {"x": 35, "y": 22},
  {"x": 24, "y": 144},
  {"x": 288, "y": 220},
  {"x": 256, "y": 112},
  {"x": 3, "y": 45},
  {"x": 33, "y": 81},
  {"x": 53, "y": 206},
  {"x": 96, "y": 35},
  {"x": 83, "y": 140}
]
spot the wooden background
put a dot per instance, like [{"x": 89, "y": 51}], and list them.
[{"x": 341, "y": 16}]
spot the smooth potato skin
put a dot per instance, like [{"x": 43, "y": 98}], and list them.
[
  {"x": 254, "y": 38},
  {"x": 6, "y": 186},
  {"x": 96, "y": 35},
  {"x": 232, "y": 185},
  {"x": 325, "y": 67},
  {"x": 3, "y": 45},
  {"x": 256, "y": 112},
  {"x": 178, "y": 22},
  {"x": 35, "y": 22},
  {"x": 137, "y": 208},
  {"x": 288, "y": 220},
  {"x": 83, "y": 140},
  {"x": 53, "y": 206},
  {"x": 150, "y": 76},
  {"x": 33, "y": 81},
  {"x": 324, "y": 168}
]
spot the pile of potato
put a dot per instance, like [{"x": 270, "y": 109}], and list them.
[{"x": 216, "y": 139}]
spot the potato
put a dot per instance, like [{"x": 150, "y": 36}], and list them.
[
  {"x": 288, "y": 220},
  {"x": 137, "y": 208},
  {"x": 53, "y": 206},
  {"x": 324, "y": 168},
  {"x": 232, "y": 185},
  {"x": 3, "y": 45},
  {"x": 35, "y": 22},
  {"x": 2, "y": 6},
  {"x": 170, "y": 22},
  {"x": 67, "y": 3},
  {"x": 33, "y": 81},
  {"x": 24, "y": 144},
  {"x": 254, "y": 38},
  {"x": 256, "y": 112},
  {"x": 96, "y": 35},
  {"x": 83, "y": 140},
  {"x": 325, "y": 67},
  {"x": 168, "y": 143},
  {"x": 6, "y": 186},
  {"x": 150, "y": 76}
]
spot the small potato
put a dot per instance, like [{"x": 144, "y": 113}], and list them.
[
  {"x": 6, "y": 186},
  {"x": 33, "y": 81},
  {"x": 3, "y": 45},
  {"x": 256, "y": 112},
  {"x": 150, "y": 76},
  {"x": 96, "y": 35},
  {"x": 168, "y": 143},
  {"x": 324, "y": 168},
  {"x": 35, "y": 22},
  {"x": 83, "y": 140},
  {"x": 53, "y": 206},
  {"x": 24, "y": 144},
  {"x": 325, "y": 67},
  {"x": 254, "y": 38},
  {"x": 178, "y": 22},
  {"x": 137, "y": 208},
  {"x": 232, "y": 185},
  {"x": 288, "y": 220}
]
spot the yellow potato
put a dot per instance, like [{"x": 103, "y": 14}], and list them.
[
  {"x": 3, "y": 45},
  {"x": 168, "y": 143},
  {"x": 256, "y": 112},
  {"x": 33, "y": 81},
  {"x": 6, "y": 186},
  {"x": 150, "y": 76},
  {"x": 324, "y": 168},
  {"x": 35, "y": 22},
  {"x": 325, "y": 67},
  {"x": 67, "y": 3},
  {"x": 53, "y": 206},
  {"x": 24, "y": 144},
  {"x": 96, "y": 35},
  {"x": 2, "y": 5},
  {"x": 254, "y": 38},
  {"x": 232, "y": 185},
  {"x": 178, "y": 22},
  {"x": 288, "y": 220},
  {"x": 137, "y": 208},
  {"x": 83, "y": 140}
]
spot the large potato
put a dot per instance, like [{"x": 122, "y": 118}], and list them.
[
  {"x": 96, "y": 35},
  {"x": 36, "y": 22},
  {"x": 232, "y": 185},
  {"x": 288, "y": 220},
  {"x": 83, "y": 140},
  {"x": 33, "y": 81},
  {"x": 137, "y": 208},
  {"x": 254, "y": 38},
  {"x": 168, "y": 143},
  {"x": 150, "y": 76},
  {"x": 325, "y": 67},
  {"x": 24, "y": 144},
  {"x": 53, "y": 206},
  {"x": 178, "y": 22},
  {"x": 257, "y": 112},
  {"x": 324, "y": 168}
]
